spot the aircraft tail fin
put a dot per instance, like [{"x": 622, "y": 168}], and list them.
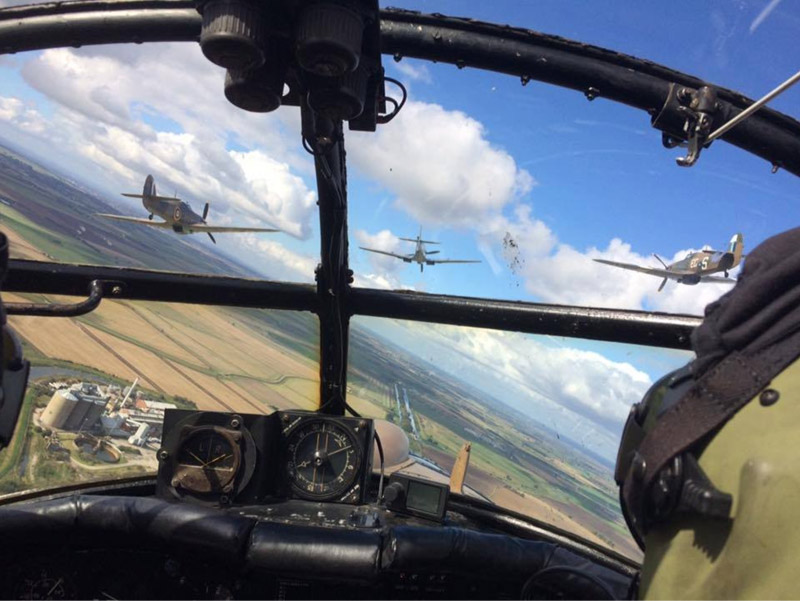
[{"x": 736, "y": 247}]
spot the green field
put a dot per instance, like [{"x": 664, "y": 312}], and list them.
[{"x": 252, "y": 360}]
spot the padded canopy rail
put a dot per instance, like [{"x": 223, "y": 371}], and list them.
[{"x": 529, "y": 55}]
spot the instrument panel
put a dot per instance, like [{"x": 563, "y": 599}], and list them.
[
  {"x": 221, "y": 458},
  {"x": 323, "y": 459}
]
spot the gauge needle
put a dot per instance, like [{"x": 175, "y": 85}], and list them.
[
  {"x": 339, "y": 451},
  {"x": 196, "y": 457},
  {"x": 316, "y": 452},
  {"x": 220, "y": 458},
  {"x": 324, "y": 454},
  {"x": 55, "y": 586}
]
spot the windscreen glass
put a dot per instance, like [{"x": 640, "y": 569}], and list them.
[
  {"x": 543, "y": 414},
  {"x": 534, "y": 185},
  {"x": 99, "y": 384},
  {"x": 482, "y": 185},
  {"x": 131, "y": 156}
]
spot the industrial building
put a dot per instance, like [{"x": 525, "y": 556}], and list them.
[
  {"x": 140, "y": 438},
  {"x": 85, "y": 406},
  {"x": 78, "y": 407}
]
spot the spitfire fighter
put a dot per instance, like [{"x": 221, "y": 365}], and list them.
[
  {"x": 420, "y": 255},
  {"x": 177, "y": 215},
  {"x": 696, "y": 267}
]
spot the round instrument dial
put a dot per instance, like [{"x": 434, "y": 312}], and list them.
[
  {"x": 41, "y": 584},
  {"x": 324, "y": 460},
  {"x": 207, "y": 461}
]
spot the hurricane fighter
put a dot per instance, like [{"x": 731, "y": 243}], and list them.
[
  {"x": 420, "y": 255},
  {"x": 696, "y": 267},
  {"x": 176, "y": 214}
]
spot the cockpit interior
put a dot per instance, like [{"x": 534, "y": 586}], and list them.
[{"x": 177, "y": 424}]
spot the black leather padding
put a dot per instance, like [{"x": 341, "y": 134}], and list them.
[
  {"x": 315, "y": 552},
  {"x": 303, "y": 551},
  {"x": 410, "y": 548},
  {"x": 308, "y": 551},
  {"x": 582, "y": 588},
  {"x": 133, "y": 518}
]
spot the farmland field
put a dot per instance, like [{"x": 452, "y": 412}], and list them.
[{"x": 256, "y": 361}]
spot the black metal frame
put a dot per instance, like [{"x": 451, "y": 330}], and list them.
[
  {"x": 530, "y": 55},
  {"x": 59, "y": 309},
  {"x": 463, "y": 42}
]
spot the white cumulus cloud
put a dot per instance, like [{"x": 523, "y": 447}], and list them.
[
  {"x": 414, "y": 70},
  {"x": 117, "y": 113},
  {"x": 383, "y": 240},
  {"x": 440, "y": 166},
  {"x": 561, "y": 386},
  {"x": 17, "y": 114},
  {"x": 281, "y": 263}
]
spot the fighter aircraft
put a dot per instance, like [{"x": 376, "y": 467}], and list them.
[
  {"x": 696, "y": 267},
  {"x": 420, "y": 254},
  {"x": 177, "y": 215}
]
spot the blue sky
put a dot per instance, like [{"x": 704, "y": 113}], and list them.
[
  {"x": 474, "y": 159},
  {"x": 597, "y": 170},
  {"x": 599, "y": 167}
]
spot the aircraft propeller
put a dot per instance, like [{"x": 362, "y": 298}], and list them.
[
  {"x": 205, "y": 214},
  {"x": 660, "y": 261}
]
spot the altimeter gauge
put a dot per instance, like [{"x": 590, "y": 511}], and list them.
[
  {"x": 42, "y": 584},
  {"x": 207, "y": 460},
  {"x": 206, "y": 456},
  {"x": 324, "y": 460}
]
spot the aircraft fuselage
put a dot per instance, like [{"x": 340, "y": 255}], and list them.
[
  {"x": 703, "y": 262},
  {"x": 695, "y": 267},
  {"x": 176, "y": 212}
]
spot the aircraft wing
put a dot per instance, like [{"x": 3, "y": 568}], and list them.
[
  {"x": 203, "y": 227},
  {"x": 662, "y": 273},
  {"x": 388, "y": 254},
  {"x": 135, "y": 220},
  {"x": 437, "y": 261},
  {"x": 718, "y": 279}
]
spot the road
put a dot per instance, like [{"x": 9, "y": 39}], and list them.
[{"x": 408, "y": 411}]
